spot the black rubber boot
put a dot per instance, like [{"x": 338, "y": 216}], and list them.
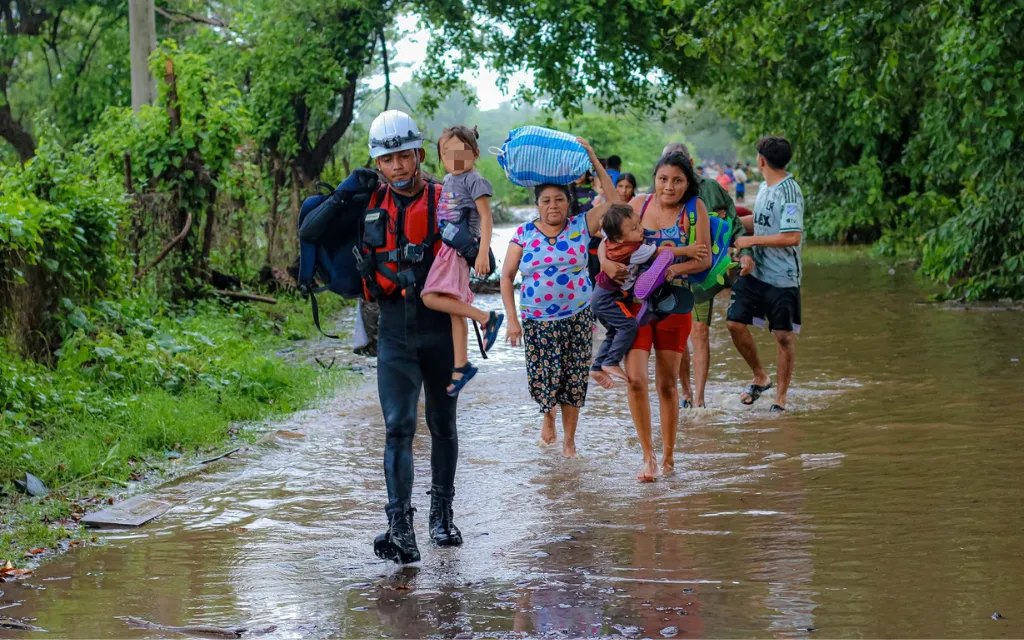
[
  {"x": 398, "y": 543},
  {"x": 442, "y": 529}
]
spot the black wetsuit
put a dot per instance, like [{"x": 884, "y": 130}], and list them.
[
  {"x": 404, "y": 364},
  {"x": 407, "y": 358}
]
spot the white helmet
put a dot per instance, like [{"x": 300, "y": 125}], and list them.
[{"x": 393, "y": 131}]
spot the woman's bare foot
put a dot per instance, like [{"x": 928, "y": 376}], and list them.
[
  {"x": 616, "y": 371},
  {"x": 569, "y": 448},
  {"x": 602, "y": 378},
  {"x": 548, "y": 435},
  {"x": 647, "y": 474},
  {"x": 668, "y": 466}
]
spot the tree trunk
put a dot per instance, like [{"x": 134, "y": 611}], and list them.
[
  {"x": 238, "y": 244},
  {"x": 138, "y": 229},
  {"x": 310, "y": 161},
  {"x": 12, "y": 131},
  {"x": 31, "y": 18},
  {"x": 203, "y": 264},
  {"x": 288, "y": 230},
  {"x": 182, "y": 264},
  {"x": 141, "y": 45},
  {"x": 183, "y": 267},
  {"x": 32, "y": 304},
  {"x": 173, "y": 111},
  {"x": 272, "y": 216}
]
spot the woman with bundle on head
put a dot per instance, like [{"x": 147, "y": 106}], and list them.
[{"x": 554, "y": 319}]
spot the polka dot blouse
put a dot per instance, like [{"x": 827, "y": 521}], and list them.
[{"x": 555, "y": 281}]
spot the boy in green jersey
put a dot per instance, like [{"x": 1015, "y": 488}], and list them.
[{"x": 771, "y": 294}]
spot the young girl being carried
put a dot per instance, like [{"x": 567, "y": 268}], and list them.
[{"x": 464, "y": 207}]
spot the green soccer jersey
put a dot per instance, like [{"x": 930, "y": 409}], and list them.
[{"x": 778, "y": 209}]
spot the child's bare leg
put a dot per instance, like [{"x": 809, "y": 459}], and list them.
[
  {"x": 459, "y": 336},
  {"x": 602, "y": 378},
  {"x": 452, "y": 306},
  {"x": 616, "y": 371}
]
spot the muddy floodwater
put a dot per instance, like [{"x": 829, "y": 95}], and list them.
[{"x": 889, "y": 501}]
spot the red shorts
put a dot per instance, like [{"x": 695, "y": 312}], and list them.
[{"x": 669, "y": 334}]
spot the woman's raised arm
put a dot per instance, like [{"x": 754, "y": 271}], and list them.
[{"x": 611, "y": 195}]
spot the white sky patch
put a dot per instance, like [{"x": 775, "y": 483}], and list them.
[{"x": 412, "y": 49}]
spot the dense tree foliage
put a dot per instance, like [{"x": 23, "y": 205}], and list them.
[
  {"x": 254, "y": 100},
  {"x": 906, "y": 116}
]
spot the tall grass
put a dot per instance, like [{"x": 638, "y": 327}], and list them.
[{"x": 135, "y": 380}]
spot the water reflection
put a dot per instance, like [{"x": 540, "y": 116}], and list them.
[{"x": 886, "y": 503}]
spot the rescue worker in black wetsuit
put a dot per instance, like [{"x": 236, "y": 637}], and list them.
[
  {"x": 414, "y": 349},
  {"x": 398, "y": 242}
]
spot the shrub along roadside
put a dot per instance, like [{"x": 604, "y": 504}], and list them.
[{"x": 133, "y": 381}]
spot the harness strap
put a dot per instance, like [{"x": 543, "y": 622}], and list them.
[
  {"x": 691, "y": 213},
  {"x": 409, "y": 289},
  {"x": 395, "y": 255},
  {"x": 316, "y": 313},
  {"x": 479, "y": 339},
  {"x": 431, "y": 216}
]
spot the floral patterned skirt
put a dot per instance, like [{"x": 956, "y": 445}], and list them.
[{"x": 558, "y": 354}]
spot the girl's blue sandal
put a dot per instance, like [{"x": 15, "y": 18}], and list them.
[
  {"x": 468, "y": 371},
  {"x": 491, "y": 332}
]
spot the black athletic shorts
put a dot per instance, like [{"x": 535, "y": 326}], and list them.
[{"x": 754, "y": 302}]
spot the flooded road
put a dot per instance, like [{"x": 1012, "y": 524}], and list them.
[{"x": 887, "y": 502}]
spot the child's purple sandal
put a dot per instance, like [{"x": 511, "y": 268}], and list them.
[{"x": 654, "y": 277}]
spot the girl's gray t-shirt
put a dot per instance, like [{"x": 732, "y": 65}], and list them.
[{"x": 461, "y": 192}]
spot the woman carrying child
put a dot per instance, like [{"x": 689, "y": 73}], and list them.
[
  {"x": 665, "y": 222},
  {"x": 465, "y": 206}
]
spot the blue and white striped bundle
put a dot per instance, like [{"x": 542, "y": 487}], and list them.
[{"x": 536, "y": 155}]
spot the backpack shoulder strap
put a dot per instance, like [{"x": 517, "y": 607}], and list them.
[
  {"x": 378, "y": 196},
  {"x": 691, "y": 215},
  {"x": 316, "y": 315},
  {"x": 431, "y": 206}
]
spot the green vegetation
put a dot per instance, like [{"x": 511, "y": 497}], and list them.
[
  {"x": 637, "y": 139},
  {"x": 907, "y": 117},
  {"x": 134, "y": 379}
]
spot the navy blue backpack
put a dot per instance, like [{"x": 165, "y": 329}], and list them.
[{"x": 330, "y": 238}]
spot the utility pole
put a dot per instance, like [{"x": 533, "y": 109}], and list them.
[{"x": 141, "y": 44}]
